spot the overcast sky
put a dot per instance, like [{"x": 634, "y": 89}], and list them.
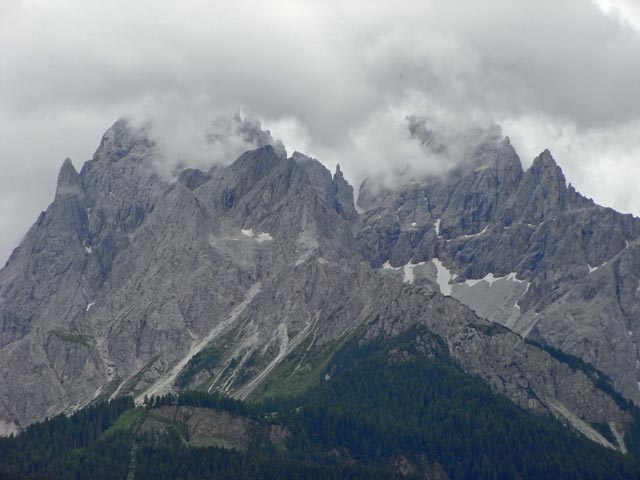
[{"x": 334, "y": 80}]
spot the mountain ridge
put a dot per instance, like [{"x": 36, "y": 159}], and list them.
[{"x": 127, "y": 277}]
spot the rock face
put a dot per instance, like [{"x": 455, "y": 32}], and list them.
[
  {"x": 125, "y": 274},
  {"x": 522, "y": 248},
  {"x": 133, "y": 284}
]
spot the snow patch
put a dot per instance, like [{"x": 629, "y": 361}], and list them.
[
  {"x": 414, "y": 224},
  {"x": 473, "y": 235},
  {"x": 89, "y": 306},
  {"x": 490, "y": 278},
  {"x": 437, "y": 227},
  {"x": 407, "y": 270},
  {"x": 409, "y": 276},
  {"x": 592, "y": 269},
  {"x": 408, "y": 273},
  {"x": 398, "y": 211},
  {"x": 513, "y": 276},
  {"x": 264, "y": 237},
  {"x": 443, "y": 277},
  {"x": 493, "y": 298},
  {"x": 260, "y": 237},
  {"x": 443, "y": 274},
  {"x": 522, "y": 294}
]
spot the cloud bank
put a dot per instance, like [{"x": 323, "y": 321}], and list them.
[{"x": 336, "y": 80}]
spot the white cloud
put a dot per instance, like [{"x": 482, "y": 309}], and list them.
[
  {"x": 332, "y": 79},
  {"x": 627, "y": 11}
]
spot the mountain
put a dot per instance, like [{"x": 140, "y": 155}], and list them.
[
  {"x": 523, "y": 249},
  {"x": 249, "y": 279}
]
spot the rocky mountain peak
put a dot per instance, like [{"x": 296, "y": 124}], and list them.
[
  {"x": 545, "y": 168},
  {"x": 68, "y": 180},
  {"x": 543, "y": 191},
  {"x": 317, "y": 174},
  {"x": 120, "y": 141},
  {"x": 258, "y": 161},
  {"x": 249, "y": 169},
  {"x": 507, "y": 155}
]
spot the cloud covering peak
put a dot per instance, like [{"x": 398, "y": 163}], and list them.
[{"x": 335, "y": 80}]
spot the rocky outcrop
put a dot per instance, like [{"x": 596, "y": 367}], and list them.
[
  {"x": 344, "y": 196},
  {"x": 207, "y": 427}
]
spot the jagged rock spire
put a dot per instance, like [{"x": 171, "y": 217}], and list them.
[
  {"x": 68, "y": 181},
  {"x": 344, "y": 196}
]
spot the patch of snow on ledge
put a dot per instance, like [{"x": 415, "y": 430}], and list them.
[
  {"x": 89, "y": 306},
  {"x": 593, "y": 269},
  {"x": 490, "y": 278},
  {"x": 473, "y": 235},
  {"x": 443, "y": 277},
  {"x": 517, "y": 305},
  {"x": 260, "y": 237},
  {"x": 264, "y": 237},
  {"x": 437, "y": 227},
  {"x": 407, "y": 270},
  {"x": 409, "y": 276}
]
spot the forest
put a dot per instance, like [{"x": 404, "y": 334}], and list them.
[{"x": 385, "y": 411}]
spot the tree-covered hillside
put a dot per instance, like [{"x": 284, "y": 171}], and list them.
[{"x": 381, "y": 411}]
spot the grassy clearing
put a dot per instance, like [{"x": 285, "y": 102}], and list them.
[{"x": 128, "y": 421}]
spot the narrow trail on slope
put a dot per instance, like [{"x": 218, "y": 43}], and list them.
[{"x": 163, "y": 385}]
